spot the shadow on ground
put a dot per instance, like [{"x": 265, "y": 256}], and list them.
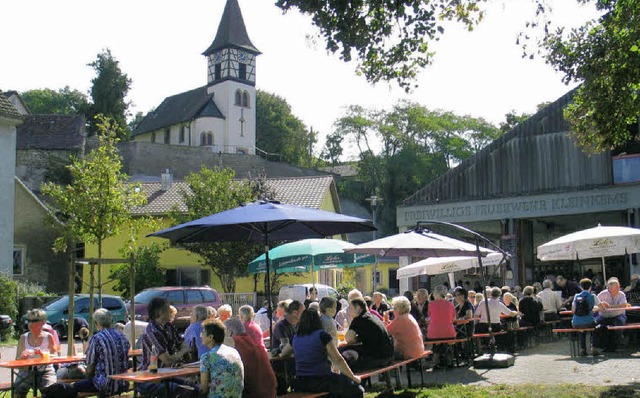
[{"x": 631, "y": 390}]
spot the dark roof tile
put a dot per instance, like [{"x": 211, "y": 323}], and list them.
[
  {"x": 51, "y": 132},
  {"x": 231, "y": 31},
  {"x": 180, "y": 108},
  {"x": 7, "y": 109}
]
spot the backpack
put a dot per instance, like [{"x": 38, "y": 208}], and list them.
[{"x": 582, "y": 305}]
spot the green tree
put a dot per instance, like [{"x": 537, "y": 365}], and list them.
[
  {"x": 96, "y": 205},
  {"x": 108, "y": 92},
  {"x": 416, "y": 145},
  {"x": 62, "y": 102},
  {"x": 512, "y": 119},
  {"x": 604, "y": 56},
  {"x": 212, "y": 191},
  {"x": 147, "y": 272},
  {"x": 332, "y": 148},
  {"x": 389, "y": 39},
  {"x": 279, "y": 131}
]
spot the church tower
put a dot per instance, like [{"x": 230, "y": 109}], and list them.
[{"x": 231, "y": 78}]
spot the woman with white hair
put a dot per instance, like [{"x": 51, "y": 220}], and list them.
[
  {"x": 224, "y": 312},
  {"x": 246, "y": 315},
  {"x": 31, "y": 345},
  {"x": 199, "y": 314},
  {"x": 405, "y": 330}
]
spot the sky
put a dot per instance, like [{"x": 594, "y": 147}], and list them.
[{"x": 48, "y": 44}]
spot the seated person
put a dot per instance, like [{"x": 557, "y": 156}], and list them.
[
  {"x": 31, "y": 345},
  {"x": 551, "y": 301},
  {"x": 259, "y": 379},
  {"x": 406, "y": 333},
  {"x": 464, "y": 310},
  {"x": 312, "y": 297},
  {"x": 221, "y": 369},
  {"x": 582, "y": 308},
  {"x": 420, "y": 308},
  {"x": 199, "y": 314},
  {"x": 328, "y": 307},
  {"x": 611, "y": 313},
  {"x": 569, "y": 289},
  {"x": 530, "y": 308},
  {"x": 377, "y": 345},
  {"x": 379, "y": 304},
  {"x": 107, "y": 354},
  {"x": 315, "y": 352},
  {"x": 441, "y": 316},
  {"x": 246, "y": 315},
  {"x": 225, "y": 312},
  {"x": 158, "y": 337},
  {"x": 262, "y": 317},
  {"x": 496, "y": 307},
  {"x": 281, "y": 343}
]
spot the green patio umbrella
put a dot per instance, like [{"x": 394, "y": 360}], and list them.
[{"x": 310, "y": 255}]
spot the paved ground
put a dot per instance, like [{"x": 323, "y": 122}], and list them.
[{"x": 547, "y": 363}]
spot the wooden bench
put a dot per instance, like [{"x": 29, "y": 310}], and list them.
[
  {"x": 453, "y": 342},
  {"x": 573, "y": 333},
  {"x": 304, "y": 395},
  {"x": 628, "y": 326},
  {"x": 396, "y": 365}
]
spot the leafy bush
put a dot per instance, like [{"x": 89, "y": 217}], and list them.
[
  {"x": 345, "y": 287},
  {"x": 148, "y": 274},
  {"x": 8, "y": 300},
  {"x": 27, "y": 288}
]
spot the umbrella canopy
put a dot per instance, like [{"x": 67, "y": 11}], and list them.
[
  {"x": 445, "y": 265},
  {"x": 592, "y": 243},
  {"x": 417, "y": 243},
  {"x": 264, "y": 221},
  {"x": 309, "y": 255}
]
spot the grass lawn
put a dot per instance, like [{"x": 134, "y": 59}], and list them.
[
  {"x": 517, "y": 391},
  {"x": 11, "y": 341}
]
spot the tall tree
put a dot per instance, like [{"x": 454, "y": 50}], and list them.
[
  {"x": 50, "y": 102},
  {"x": 332, "y": 148},
  {"x": 96, "y": 205},
  {"x": 212, "y": 191},
  {"x": 108, "y": 92},
  {"x": 278, "y": 131},
  {"x": 402, "y": 150},
  {"x": 389, "y": 39},
  {"x": 604, "y": 56}
]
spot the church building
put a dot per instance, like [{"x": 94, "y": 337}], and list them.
[{"x": 222, "y": 114}]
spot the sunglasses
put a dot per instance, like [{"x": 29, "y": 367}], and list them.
[{"x": 35, "y": 320}]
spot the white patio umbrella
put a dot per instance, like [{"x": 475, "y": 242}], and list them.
[
  {"x": 417, "y": 243},
  {"x": 595, "y": 242},
  {"x": 445, "y": 265}
]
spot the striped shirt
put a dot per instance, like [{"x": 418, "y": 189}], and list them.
[{"x": 108, "y": 350}]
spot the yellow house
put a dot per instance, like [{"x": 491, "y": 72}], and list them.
[{"x": 183, "y": 267}]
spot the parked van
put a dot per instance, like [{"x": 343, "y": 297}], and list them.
[{"x": 300, "y": 292}]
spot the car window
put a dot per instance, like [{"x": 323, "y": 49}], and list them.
[
  {"x": 58, "y": 305},
  {"x": 209, "y": 296},
  {"x": 175, "y": 296},
  {"x": 145, "y": 297},
  {"x": 81, "y": 306},
  {"x": 111, "y": 303},
  {"x": 194, "y": 296}
]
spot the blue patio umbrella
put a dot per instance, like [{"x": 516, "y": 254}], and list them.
[
  {"x": 310, "y": 255},
  {"x": 265, "y": 221}
]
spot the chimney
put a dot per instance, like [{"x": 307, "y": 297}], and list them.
[{"x": 166, "y": 179}]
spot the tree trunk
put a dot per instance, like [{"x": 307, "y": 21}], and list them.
[
  {"x": 132, "y": 288},
  {"x": 72, "y": 291},
  {"x": 91, "y": 303}
]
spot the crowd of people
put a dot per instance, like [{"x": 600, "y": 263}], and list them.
[{"x": 306, "y": 336}]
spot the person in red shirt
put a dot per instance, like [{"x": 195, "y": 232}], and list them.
[{"x": 259, "y": 379}]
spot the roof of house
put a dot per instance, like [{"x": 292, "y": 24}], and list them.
[
  {"x": 7, "y": 109},
  {"x": 300, "y": 191},
  {"x": 180, "y": 108},
  {"x": 231, "y": 31},
  {"x": 51, "y": 132}
]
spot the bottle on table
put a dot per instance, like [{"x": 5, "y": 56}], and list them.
[{"x": 153, "y": 360}]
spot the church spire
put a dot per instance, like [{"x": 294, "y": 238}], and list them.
[{"x": 231, "y": 31}]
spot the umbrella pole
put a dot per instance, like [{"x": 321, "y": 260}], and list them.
[
  {"x": 604, "y": 272},
  {"x": 267, "y": 282}
]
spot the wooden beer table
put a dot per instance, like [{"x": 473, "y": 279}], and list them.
[{"x": 31, "y": 363}]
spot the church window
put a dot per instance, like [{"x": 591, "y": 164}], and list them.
[
  {"x": 210, "y": 139},
  {"x": 181, "y": 136},
  {"x": 203, "y": 139},
  {"x": 238, "y": 98},
  {"x": 153, "y": 138},
  {"x": 167, "y": 136},
  {"x": 245, "y": 99},
  {"x": 242, "y": 71},
  {"x": 218, "y": 71}
]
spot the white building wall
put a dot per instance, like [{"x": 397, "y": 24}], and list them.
[
  {"x": 224, "y": 97},
  {"x": 7, "y": 193}
]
